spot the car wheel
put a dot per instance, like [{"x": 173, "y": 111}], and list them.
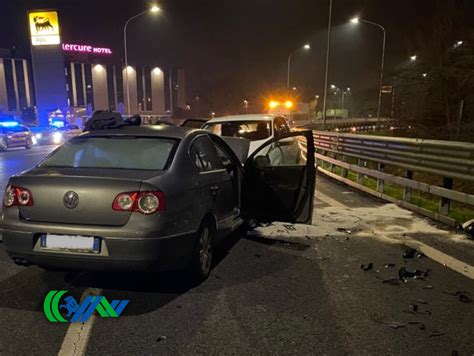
[
  {"x": 203, "y": 253},
  {"x": 29, "y": 144},
  {"x": 3, "y": 145}
]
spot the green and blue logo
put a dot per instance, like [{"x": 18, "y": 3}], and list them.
[{"x": 79, "y": 313}]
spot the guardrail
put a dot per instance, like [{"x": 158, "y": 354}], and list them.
[{"x": 370, "y": 156}]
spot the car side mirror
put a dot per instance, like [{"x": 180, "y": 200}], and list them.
[{"x": 261, "y": 161}]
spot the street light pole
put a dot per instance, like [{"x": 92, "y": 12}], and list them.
[
  {"x": 328, "y": 48},
  {"x": 306, "y": 47},
  {"x": 127, "y": 87},
  {"x": 357, "y": 20}
]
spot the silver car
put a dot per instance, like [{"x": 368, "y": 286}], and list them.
[{"x": 148, "y": 197}]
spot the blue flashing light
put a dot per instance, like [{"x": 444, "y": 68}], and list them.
[
  {"x": 9, "y": 124},
  {"x": 57, "y": 124}
]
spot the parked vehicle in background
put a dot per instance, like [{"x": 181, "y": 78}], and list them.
[
  {"x": 12, "y": 135},
  {"x": 258, "y": 128},
  {"x": 57, "y": 135}
]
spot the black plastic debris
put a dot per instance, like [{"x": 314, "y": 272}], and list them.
[
  {"x": 342, "y": 229},
  {"x": 468, "y": 226},
  {"x": 413, "y": 307},
  {"x": 161, "y": 338},
  {"x": 389, "y": 265},
  {"x": 421, "y": 301},
  {"x": 290, "y": 227},
  {"x": 464, "y": 298},
  {"x": 367, "y": 267},
  {"x": 403, "y": 273},
  {"x": 411, "y": 253}
]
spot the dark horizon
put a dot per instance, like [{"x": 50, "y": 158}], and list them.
[{"x": 239, "y": 51}]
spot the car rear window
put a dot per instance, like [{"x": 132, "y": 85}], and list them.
[
  {"x": 114, "y": 153},
  {"x": 251, "y": 130}
]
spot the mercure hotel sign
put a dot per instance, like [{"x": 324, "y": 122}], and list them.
[{"x": 82, "y": 48}]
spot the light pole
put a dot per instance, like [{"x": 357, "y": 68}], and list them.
[
  {"x": 326, "y": 76},
  {"x": 306, "y": 47},
  {"x": 357, "y": 20},
  {"x": 246, "y": 105},
  {"x": 343, "y": 94},
  {"x": 153, "y": 9}
]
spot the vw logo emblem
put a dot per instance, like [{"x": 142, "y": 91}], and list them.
[{"x": 71, "y": 200}]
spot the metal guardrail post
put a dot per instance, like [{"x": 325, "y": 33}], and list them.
[
  {"x": 345, "y": 171},
  {"x": 360, "y": 176},
  {"x": 407, "y": 190},
  {"x": 445, "y": 203},
  {"x": 380, "y": 181}
]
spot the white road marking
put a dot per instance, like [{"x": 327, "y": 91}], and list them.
[
  {"x": 37, "y": 154},
  {"x": 77, "y": 335},
  {"x": 442, "y": 258},
  {"x": 330, "y": 201}
]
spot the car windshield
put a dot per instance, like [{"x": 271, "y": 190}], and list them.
[
  {"x": 135, "y": 153},
  {"x": 251, "y": 130}
]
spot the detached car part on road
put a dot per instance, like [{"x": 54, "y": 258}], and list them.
[{"x": 148, "y": 197}]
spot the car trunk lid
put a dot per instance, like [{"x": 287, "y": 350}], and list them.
[{"x": 96, "y": 192}]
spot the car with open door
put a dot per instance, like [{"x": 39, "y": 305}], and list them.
[{"x": 149, "y": 197}]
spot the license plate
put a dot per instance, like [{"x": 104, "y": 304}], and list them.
[{"x": 70, "y": 243}]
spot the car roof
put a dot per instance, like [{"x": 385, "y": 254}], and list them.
[
  {"x": 145, "y": 130},
  {"x": 249, "y": 117}
]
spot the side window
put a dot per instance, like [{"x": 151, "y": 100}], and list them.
[
  {"x": 224, "y": 157},
  {"x": 204, "y": 150}
]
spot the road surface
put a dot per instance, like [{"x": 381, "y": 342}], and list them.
[{"x": 282, "y": 289}]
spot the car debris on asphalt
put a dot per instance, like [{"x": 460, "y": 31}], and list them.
[
  {"x": 411, "y": 253},
  {"x": 367, "y": 267}
]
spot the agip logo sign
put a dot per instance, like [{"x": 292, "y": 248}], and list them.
[{"x": 44, "y": 28}]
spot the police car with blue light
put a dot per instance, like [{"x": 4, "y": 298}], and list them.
[{"x": 13, "y": 134}]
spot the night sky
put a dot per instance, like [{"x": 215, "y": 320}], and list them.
[{"x": 233, "y": 50}]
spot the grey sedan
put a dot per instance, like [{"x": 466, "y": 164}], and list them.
[{"x": 147, "y": 198}]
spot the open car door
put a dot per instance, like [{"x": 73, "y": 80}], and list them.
[{"x": 279, "y": 180}]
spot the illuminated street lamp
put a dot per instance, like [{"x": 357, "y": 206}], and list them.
[
  {"x": 357, "y": 20},
  {"x": 306, "y": 47},
  {"x": 413, "y": 58},
  {"x": 154, "y": 9},
  {"x": 246, "y": 105}
]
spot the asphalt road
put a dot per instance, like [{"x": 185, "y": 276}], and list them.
[{"x": 282, "y": 289}]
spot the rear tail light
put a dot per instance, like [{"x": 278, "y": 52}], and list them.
[
  {"x": 17, "y": 196},
  {"x": 141, "y": 202}
]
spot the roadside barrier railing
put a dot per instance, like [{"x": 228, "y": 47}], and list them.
[{"x": 399, "y": 161}]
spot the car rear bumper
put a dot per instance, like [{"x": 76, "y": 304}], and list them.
[{"x": 162, "y": 253}]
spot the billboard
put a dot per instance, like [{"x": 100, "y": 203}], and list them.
[{"x": 44, "y": 28}]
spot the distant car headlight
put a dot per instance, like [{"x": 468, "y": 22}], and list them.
[
  {"x": 39, "y": 136},
  {"x": 57, "y": 138},
  {"x": 34, "y": 140}
]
